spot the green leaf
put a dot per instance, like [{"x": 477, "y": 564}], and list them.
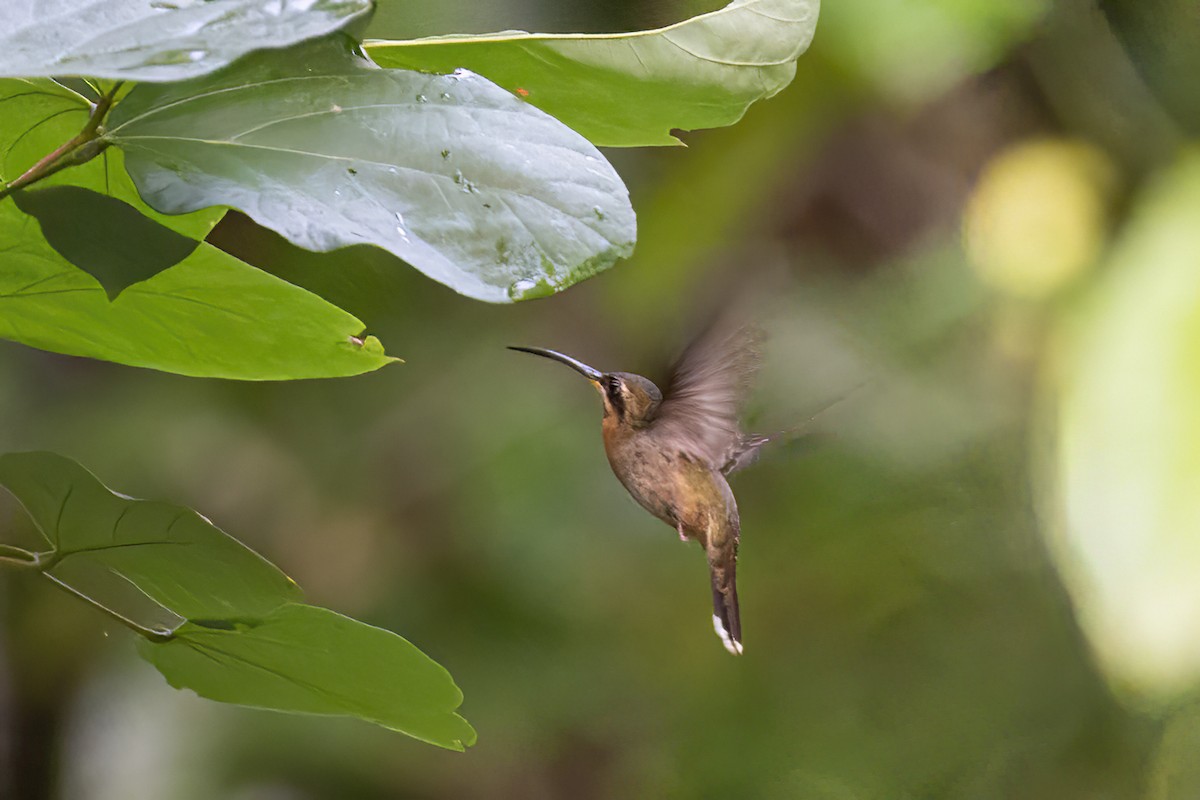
[
  {"x": 156, "y": 40},
  {"x": 630, "y": 89},
  {"x": 103, "y": 236},
  {"x": 210, "y": 315},
  {"x": 36, "y": 116},
  {"x": 465, "y": 182},
  {"x": 172, "y": 554},
  {"x": 1125, "y": 530},
  {"x": 242, "y": 637},
  {"x": 305, "y": 659}
]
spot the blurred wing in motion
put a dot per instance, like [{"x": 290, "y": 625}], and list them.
[
  {"x": 749, "y": 446},
  {"x": 745, "y": 452},
  {"x": 708, "y": 383}
]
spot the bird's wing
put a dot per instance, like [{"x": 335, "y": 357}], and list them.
[
  {"x": 744, "y": 452},
  {"x": 748, "y": 446},
  {"x": 699, "y": 411}
]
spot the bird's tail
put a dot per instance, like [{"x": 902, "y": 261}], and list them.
[{"x": 727, "y": 620}]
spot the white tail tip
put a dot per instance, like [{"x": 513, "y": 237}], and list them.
[{"x": 726, "y": 639}]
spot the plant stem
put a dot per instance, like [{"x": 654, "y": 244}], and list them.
[
  {"x": 150, "y": 633},
  {"x": 70, "y": 152},
  {"x": 17, "y": 556}
]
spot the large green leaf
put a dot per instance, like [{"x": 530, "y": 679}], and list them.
[
  {"x": 462, "y": 180},
  {"x": 629, "y": 89},
  {"x": 311, "y": 660},
  {"x": 210, "y": 315},
  {"x": 36, "y": 116},
  {"x": 172, "y": 554},
  {"x": 239, "y": 635},
  {"x": 1128, "y": 464},
  {"x": 156, "y": 40}
]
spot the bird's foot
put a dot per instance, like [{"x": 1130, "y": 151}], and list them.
[{"x": 683, "y": 537}]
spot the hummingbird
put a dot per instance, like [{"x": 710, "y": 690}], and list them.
[{"x": 673, "y": 451}]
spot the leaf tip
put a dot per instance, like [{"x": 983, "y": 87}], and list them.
[
  {"x": 372, "y": 346},
  {"x": 469, "y": 737}
]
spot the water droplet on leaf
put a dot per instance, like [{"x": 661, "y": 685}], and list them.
[
  {"x": 526, "y": 289},
  {"x": 518, "y": 289},
  {"x": 464, "y": 183}
]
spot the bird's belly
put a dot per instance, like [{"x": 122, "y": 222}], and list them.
[
  {"x": 658, "y": 502},
  {"x": 671, "y": 487},
  {"x": 646, "y": 474}
]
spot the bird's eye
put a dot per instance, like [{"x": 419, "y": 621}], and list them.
[{"x": 612, "y": 385}]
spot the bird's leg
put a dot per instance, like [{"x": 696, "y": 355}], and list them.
[{"x": 682, "y": 536}]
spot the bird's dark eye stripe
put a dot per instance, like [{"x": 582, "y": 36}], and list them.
[{"x": 612, "y": 387}]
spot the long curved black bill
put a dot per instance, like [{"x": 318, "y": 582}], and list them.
[{"x": 580, "y": 367}]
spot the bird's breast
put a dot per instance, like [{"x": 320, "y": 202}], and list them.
[{"x": 666, "y": 483}]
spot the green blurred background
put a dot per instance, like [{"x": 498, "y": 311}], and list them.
[{"x": 978, "y": 223}]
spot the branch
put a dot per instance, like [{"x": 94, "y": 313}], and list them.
[
  {"x": 80, "y": 148},
  {"x": 18, "y": 556}
]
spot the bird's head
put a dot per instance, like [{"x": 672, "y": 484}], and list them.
[{"x": 628, "y": 398}]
